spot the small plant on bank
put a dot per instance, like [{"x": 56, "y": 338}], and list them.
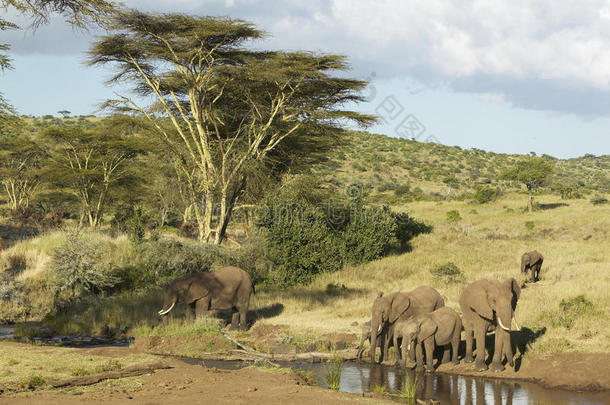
[
  {"x": 333, "y": 372},
  {"x": 529, "y": 225},
  {"x": 409, "y": 388}
]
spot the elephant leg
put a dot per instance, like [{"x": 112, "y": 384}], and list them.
[
  {"x": 480, "y": 330},
  {"x": 234, "y": 320},
  {"x": 361, "y": 347},
  {"x": 429, "y": 345},
  {"x": 455, "y": 344},
  {"x": 446, "y": 354},
  {"x": 190, "y": 312},
  {"x": 508, "y": 348},
  {"x": 386, "y": 348},
  {"x": 468, "y": 358},
  {"x": 496, "y": 364},
  {"x": 396, "y": 348},
  {"x": 533, "y": 276},
  {"x": 419, "y": 356},
  {"x": 201, "y": 307},
  {"x": 243, "y": 313}
]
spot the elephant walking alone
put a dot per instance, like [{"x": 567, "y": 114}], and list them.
[
  {"x": 226, "y": 288},
  {"x": 532, "y": 261},
  {"x": 489, "y": 304}
]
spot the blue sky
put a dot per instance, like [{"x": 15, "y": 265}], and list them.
[{"x": 504, "y": 76}]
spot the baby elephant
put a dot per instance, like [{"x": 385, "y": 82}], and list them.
[
  {"x": 442, "y": 327},
  {"x": 366, "y": 336}
]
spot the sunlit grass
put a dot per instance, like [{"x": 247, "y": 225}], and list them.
[
  {"x": 26, "y": 366},
  {"x": 333, "y": 373},
  {"x": 486, "y": 243}
]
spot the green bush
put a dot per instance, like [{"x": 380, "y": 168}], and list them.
[
  {"x": 453, "y": 216},
  {"x": 569, "y": 192},
  {"x": 402, "y": 190},
  {"x": 529, "y": 225},
  {"x": 485, "y": 194},
  {"x": 448, "y": 273},
  {"x": 307, "y": 235},
  {"x": 570, "y": 309}
]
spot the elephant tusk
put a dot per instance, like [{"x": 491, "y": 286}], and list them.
[
  {"x": 516, "y": 324},
  {"x": 379, "y": 330},
  {"x": 409, "y": 346},
  {"x": 502, "y": 325},
  {"x": 162, "y": 312}
]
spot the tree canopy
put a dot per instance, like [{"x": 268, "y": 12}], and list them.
[
  {"x": 531, "y": 171},
  {"x": 220, "y": 107}
]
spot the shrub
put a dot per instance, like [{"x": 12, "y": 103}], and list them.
[
  {"x": 166, "y": 259},
  {"x": 402, "y": 190},
  {"x": 599, "y": 200},
  {"x": 82, "y": 263},
  {"x": 569, "y": 192},
  {"x": 308, "y": 233},
  {"x": 449, "y": 273},
  {"x": 485, "y": 194},
  {"x": 529, "y": 225},
  {"x": 453, "y": 216},
  {"x": 570, "y": 309}
]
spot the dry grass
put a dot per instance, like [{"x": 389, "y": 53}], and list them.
[
  {"x": 485, "y": 244},
  {"x": 26, "y": 366}
]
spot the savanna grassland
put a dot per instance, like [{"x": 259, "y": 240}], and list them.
[
  {"x": 486, "y": 243},
  {"x": 567, "y": 311}
]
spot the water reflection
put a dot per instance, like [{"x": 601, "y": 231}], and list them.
[
  {"x": 446, "y": 388},
  {"x": 452, "y": 389}
]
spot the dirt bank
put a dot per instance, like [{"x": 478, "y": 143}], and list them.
[
  {"x": 570, "y": 371},
  {"x": 185, "y": 384}
]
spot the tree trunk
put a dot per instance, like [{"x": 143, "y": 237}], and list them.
[{"x": 530, "y": 206}]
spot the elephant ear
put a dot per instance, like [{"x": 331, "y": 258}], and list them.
[
  {"x": 480, "y": 301},
  {"x": 426, "y": 329},
  {"x": 400, "y": 303},
  {"x": 198, "y": 288},
  {"x": 512, "y": 284}
]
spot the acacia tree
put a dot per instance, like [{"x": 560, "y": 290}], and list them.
[
  {"x": 92, "y": 162},
  {"x": 20, "y": 175},
  {"x": 228, "y": 108},
  {"x": 531, "y": 171}
]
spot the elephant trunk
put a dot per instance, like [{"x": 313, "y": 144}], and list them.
[
  {"x": 524, "y": 262},
  {"x": 375, "y": 332}
]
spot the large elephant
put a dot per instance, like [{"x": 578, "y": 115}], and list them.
[
  {"x": 387, "y": 309},
  {"x": 532, "y": 261},
  {"x": 487, "y": 305},
  {"x": 442, "y": 327},
  {"x": 226, "y": 288}
]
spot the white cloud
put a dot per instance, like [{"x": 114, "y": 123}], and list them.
[{"x": 553, "y": 47}]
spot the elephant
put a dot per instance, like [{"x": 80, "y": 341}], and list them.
[
  {"x": 366, "y": 335},
  {"x": 387, "y": 309},
  {"x": 489, "y": 305},
  {"x": 532, "y": 261},
  {"x": 226, "y": 288},
  {"x": 442, "y": 327}
]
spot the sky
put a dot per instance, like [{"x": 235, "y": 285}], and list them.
[{"x": 505, "y": 76}]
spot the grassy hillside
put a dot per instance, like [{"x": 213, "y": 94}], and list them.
[
  {"x": 382, "y": 163},
  {"x": 486, "y": 243}
]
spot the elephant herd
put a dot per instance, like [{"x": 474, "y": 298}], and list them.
[{"x": 420, "y": 321}]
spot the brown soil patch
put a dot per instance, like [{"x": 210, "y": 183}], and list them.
[
  {"x": 185, "y": 384},
  {"x": 183, "y": 346},
  {"x": 569, "y": 371}
]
